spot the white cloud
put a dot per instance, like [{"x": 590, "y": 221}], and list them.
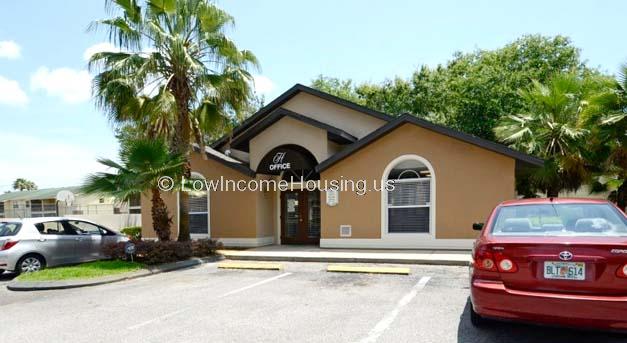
[
  {"x": 100, "y": 47},
  {"x": 71, "y": 85},
  {"x": 47, "y": 162},
  {"x": 263, "y": 84},
  {"x": 9, "y": 49},
  {"x": 11, "y": 93}
]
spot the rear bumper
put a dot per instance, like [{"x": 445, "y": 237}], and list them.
[{"x": 492, "y": 299}]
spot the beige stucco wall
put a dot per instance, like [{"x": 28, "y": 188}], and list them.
[
  {"x": 146, "y": 216},
  {"x": 354, "y": 122},
  {"x": 470, "y": 181},
  {"x": 233, "y": 214},
  {"x": 266, "y": 212},
  {"x": 288, "y": 131}
]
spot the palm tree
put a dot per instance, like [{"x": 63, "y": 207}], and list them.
[
  {"x": 178, "y": 75},
  {"x": 551, "y": 130},
  {"x": 24, "y": 185},
  {"x": 606, "y": 118},
  {"x": 142, "y": 163}
]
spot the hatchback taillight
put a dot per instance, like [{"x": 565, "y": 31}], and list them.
[
  {"x": 8, "y": 245},
  {"x": 622, "y": 271}
]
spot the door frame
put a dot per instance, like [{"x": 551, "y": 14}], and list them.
[{"x": 302, "y": 236}]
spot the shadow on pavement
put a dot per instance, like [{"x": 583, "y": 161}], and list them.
[
  {"x": 6, "y": 277},
  {"x": 518, "y": 333}
]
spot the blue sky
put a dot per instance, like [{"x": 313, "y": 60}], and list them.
[{"x": 52, "y": 133}]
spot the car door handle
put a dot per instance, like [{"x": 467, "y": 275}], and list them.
[
  {"x": 79, "y": 239},
  {"x": 42, "y": 239}
]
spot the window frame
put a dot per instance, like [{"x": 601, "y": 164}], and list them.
[
  {"x": 196, "y": 175},
  {"x": 72, "y": 226},
  {"x": 60, "y": 223},
  {"x": 133, "y": 208},
  {"x": 432, "y": 199}
]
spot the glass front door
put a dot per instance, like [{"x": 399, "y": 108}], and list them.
[{"x": 300, "y": 217}]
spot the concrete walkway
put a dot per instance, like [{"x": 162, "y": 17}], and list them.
[{"x": 294, "y": 253}]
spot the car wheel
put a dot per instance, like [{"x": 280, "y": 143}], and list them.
[
  {"x": 475, "y": 318},
  {"x": 30, "y": 263}
]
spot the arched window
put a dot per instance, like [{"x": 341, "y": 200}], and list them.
[
  {"x": 198, "y": 209},
  {"x": 408, "y": 208}
]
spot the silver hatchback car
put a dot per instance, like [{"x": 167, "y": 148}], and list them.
[{"x": 30, "y": 244}]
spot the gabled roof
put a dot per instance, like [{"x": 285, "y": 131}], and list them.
[
  {"x": 228, "y": 161},
  {"x": 290, "y": 93},
  {"x": 333, "y": 133},
  {"x": 408, "y": 118},
  {"x": 39, "y": 194}
]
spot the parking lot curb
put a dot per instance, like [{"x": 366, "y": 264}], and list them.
[
  {"x": 23, "y": 286},
  {"x": 368, "y": 270},
  {"x": 425, "y": 259},
  {"x": 253, "y": 265}
]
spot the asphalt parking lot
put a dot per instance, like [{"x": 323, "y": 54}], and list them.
[{"x": 301, "y": 303}]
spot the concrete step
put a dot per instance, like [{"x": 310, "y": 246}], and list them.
[{"x": 430, "y": 258}]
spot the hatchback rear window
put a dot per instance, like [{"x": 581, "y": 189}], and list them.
[
  {"x": 598, "y": 220},
  {"x": 9, "y": 229}
]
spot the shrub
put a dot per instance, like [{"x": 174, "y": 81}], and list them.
[
  {"x": 158, "y": 252},
  {"x": 205, "y": 247},
  {"x": 133, "y": 232}
]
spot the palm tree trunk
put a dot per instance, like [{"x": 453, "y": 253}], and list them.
[
  {"x": 160, "y": 220},
  {"x": 181, "y": 145},
  {"x": 184, "y": 234}
]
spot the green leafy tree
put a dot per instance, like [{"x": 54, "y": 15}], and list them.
[
  {"x": 177, "y": 75},
  {"x": 24, "y": 185},
  {"x": 606, "y": 118},
  {"x": 472, "y": 91},
  {"x": 142, "y": 163},
  {"x": 341, "y": 88},
  {"x": 550, "y": 128}
]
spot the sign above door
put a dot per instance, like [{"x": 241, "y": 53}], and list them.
[{"x": 286, "y": 158}]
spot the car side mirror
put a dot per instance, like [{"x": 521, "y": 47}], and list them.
[{"x": 477, "y": 226}]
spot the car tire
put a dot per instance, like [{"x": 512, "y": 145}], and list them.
[
  {"x": 30, "y": 263},
  {"x": 475, "y": 319}
]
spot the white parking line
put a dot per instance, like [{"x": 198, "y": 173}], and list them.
[
  {"x": 168, "y": 315},
  {"x": 382, "y": 325},
  {"x": 154, "y": 320},
  {"x": 254, "y": 285}
]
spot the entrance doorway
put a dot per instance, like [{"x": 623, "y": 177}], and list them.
[{"x": 300, "y": 217}]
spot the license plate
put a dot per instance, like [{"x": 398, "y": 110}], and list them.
[{"x": 565, "y": 270}]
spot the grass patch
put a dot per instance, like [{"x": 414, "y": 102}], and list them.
[{"x": 82, "y": 271}]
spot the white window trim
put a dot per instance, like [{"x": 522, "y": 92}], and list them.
[
  {"x": 385, "y": 235},
  {"x": 196, "y": 175}
]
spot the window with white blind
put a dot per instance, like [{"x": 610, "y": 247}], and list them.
[
  {"x": 135, "y": 204},
  {"x": 409, "y": 203},
  {"x": 198, "y": 210}
]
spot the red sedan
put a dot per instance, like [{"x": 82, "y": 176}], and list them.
[{"x": 552, "y": 261}]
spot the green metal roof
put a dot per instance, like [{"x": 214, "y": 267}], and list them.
[{"x": 46, "y": 193}]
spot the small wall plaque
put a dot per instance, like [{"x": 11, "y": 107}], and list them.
[{"x": 332, "y": 197}]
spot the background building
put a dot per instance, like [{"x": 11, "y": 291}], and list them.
[{"x": 69, "y": 201}]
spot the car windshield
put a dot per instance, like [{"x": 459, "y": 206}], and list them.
[
  {"x": 9, "y": 229},
  {"x": 598, "y": 220}
]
